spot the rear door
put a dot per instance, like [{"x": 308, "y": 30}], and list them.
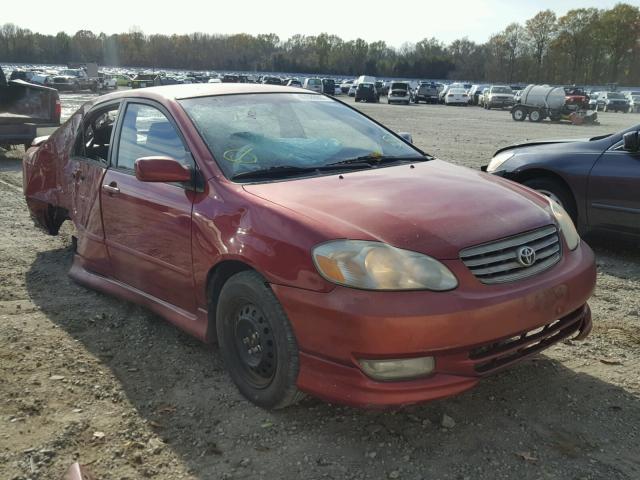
[
  {"x": 87, "y": 167},
  {"x": 148, "y": 225},
  {"x": 614, "y": 191}
]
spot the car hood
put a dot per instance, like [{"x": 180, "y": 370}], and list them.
[
  {"x": 434, "y": 207},
  {"x": 541, "y": 145}
]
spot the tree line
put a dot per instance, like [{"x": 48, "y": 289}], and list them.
[{"x": 585, "y": 46}]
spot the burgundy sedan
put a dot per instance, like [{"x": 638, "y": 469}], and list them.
[{"x": 323, "y": 252}]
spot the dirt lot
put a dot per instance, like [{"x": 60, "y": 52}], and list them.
[{"x": 87, "y": 377}]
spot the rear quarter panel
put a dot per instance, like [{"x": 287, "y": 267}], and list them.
[{"x": 47, "y": 169}]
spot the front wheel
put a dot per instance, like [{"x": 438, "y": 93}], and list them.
[{"x": 257, "y": 343}]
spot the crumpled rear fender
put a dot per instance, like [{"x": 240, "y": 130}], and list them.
[{"x": 47, "y": 169}]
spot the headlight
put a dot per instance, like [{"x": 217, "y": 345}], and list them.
[
  {"x": 566, "y": 225},
  {"x": 497, "y": 161},
  {"x": 378, "y": 266}
]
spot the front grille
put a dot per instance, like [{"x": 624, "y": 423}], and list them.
[
  {"x": 498, "y": 262},
  {"x": 494, "y": 356}
]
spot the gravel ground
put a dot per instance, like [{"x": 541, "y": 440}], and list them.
[{"x": 86, "y": 377}]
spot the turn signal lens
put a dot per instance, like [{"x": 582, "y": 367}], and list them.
[{"x": 398, "y": 369}]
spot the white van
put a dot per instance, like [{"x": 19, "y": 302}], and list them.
[
  {"x": 313, "y": 84},
  {"x": 366, "y": 79}
]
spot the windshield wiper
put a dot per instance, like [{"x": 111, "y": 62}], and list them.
[
  {"x": 378, "y": 160},
  {"x": 285, "y": 170}
]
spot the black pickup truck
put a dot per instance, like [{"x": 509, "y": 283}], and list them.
[{"x": 24, "y": 107}]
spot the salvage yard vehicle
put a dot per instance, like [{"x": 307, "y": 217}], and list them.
[
  {"x": 389, "y": 285},
  {"x": 366, "y": 92},
  {"x": 576, "y": 96},
  {"x": 612, "y": 102},
  {"x": 633, "y": 98},
  {"x": 344, "y": 86},
  {"x": 475, "y": 92},
  {"x": 498, "y": 96},
  {"x": 74, "y": 79},
  {"x": 23, "y": 108},
  {"x": 313, "y": 84},
  {"x": 107, "y": 81},
  {"x": 426, "y": 92},
  {"x": 596, "y": 180},
  {"x": 328, "y": 86},
  {"x": 538, "y": 102},
  {"x": 399, "y": 92},
  {"x": 456, "y": 96},
  {"x": 144, "y": 80},
  {"x": 123, "y": 80}
]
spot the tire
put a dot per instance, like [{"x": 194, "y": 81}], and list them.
[
  {"x": 519, "y": 114},
  {"x": 552, "y": 188},
  {"x": 535, "y": 116},
  {"x": 249, "y": 317}
]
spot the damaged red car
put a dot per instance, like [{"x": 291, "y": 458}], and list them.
[{"x": 323, "y": 252}]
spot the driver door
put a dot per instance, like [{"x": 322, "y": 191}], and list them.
[{"x": 614, "y": 191}]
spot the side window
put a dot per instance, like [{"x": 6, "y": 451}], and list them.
[
  {"x": 147, "y": 132},
  {"x": 94, "y": 141}
]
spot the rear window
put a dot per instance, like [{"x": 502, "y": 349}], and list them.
[
  {"x": 315, "y": 81},
  {"x": 615, "y": 95},
  {"x": 399, "y": 86},
  {"x": 502, "y": 90}
]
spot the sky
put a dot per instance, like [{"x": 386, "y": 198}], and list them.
[{"x": 395, "y": 22}]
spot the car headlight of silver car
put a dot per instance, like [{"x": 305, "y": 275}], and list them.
[
  {"x": 497, "y": 161},
  {"x": 565, "y": 224},
  {"x": 377, "y": 266}
]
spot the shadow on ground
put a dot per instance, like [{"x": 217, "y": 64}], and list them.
[{"x": 537, "y": 420}]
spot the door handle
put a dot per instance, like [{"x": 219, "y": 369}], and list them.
[{"x": 111, "y": 188}]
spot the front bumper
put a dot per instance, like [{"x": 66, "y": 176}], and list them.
[
  {"x": 471, "y": 332},
  {"x": 496, "y": 102}
]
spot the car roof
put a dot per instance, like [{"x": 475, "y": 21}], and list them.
[{"x": 178, "y": 92}]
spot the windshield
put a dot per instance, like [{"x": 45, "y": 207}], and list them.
[
  {"x": 70, "y": 73},
  {"x": 259, "y": 131},
  {"x": 501, "y": 90},
  {"x": 615, "y": 95}
]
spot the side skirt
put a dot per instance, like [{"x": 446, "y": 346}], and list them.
[{"x": 195, "y": 325}]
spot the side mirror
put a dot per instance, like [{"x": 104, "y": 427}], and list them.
[
  {"x": 161, "y": 169},
  {"x": 407, "y": 136},
  {"x": 631, "y": 141}
]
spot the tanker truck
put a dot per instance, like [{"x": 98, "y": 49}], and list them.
[{"x": 543, "y": 101}]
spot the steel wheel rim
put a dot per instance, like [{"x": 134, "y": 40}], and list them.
[
  {"x": 254, "y": 345},
  {"x": 518, "y": 114},
  {"x": 535, "y": 115}
]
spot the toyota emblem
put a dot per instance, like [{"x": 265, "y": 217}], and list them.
[{"x": 526, "y": 256}]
